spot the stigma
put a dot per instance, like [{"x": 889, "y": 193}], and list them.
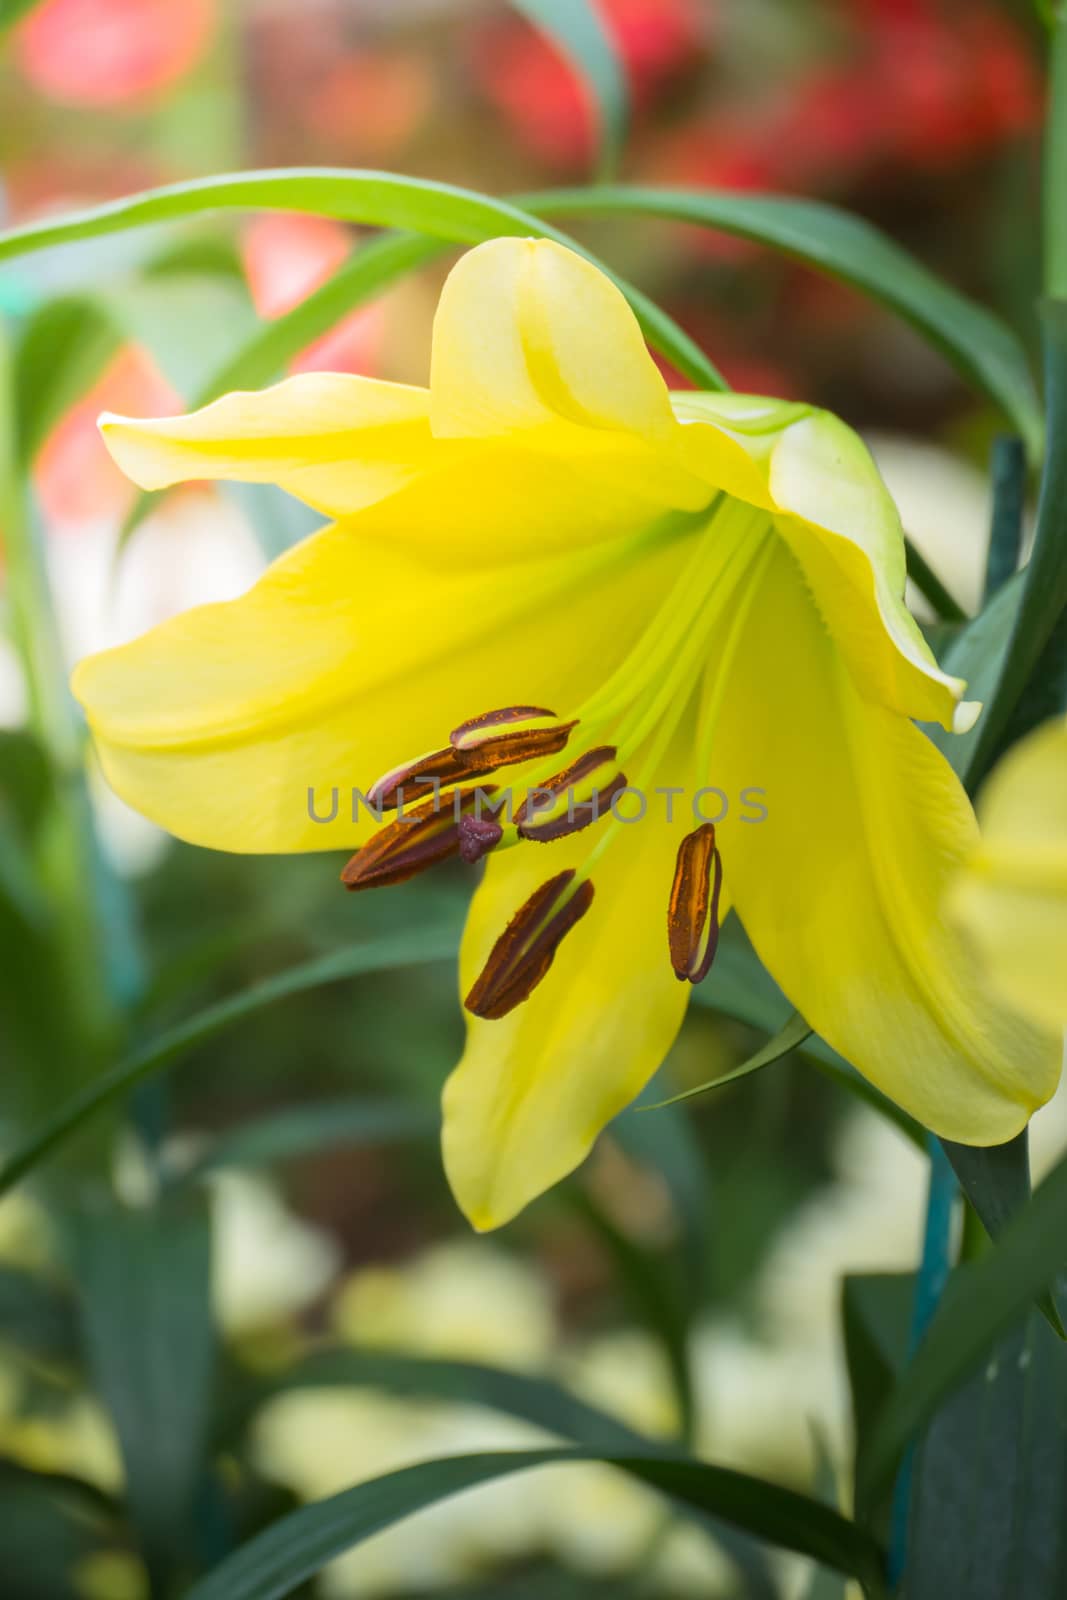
[{"x": 693, "y": 908}]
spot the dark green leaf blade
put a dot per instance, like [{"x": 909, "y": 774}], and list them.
[
  {"x": 64, "y": 348},
  {"x": 981, "y": 1305},
  {"x": 277, "y": 1561},
  {"x": 848, "y": 248},
  {"x": 529, "y": 1397},
  {"x": 320, "y": 1125},
  {"x": 146, "y": 1311},
  {"x": 398, "y": 950},
  {"x": 789, "y": 1037},
  {"x": 996, "y": 1528}
]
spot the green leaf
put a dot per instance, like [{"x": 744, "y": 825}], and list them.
[
  {"x": 849, "y": 249},
  {"x": 533, "y": 1399},
  {"x": 275, "y": 1562},
  {"x": 64, "y": 348},
  {"x": 787, "y": 1039},
  {"x": 12, "y": 10},
  {"x": 381, "y": 199},
  {"x": 1008, "y": 470},
  {"x": 877, "y": 1312},
  {"x": 930, "y": 586},
  {"x": 303, "y": 1129},
  {"x": 1043, "y": 601},
  {"x": 977, "y": 655},
  {"x": 516, "y": 1394},
  {"x": 399, "y": 950},
  {"x": 37, "y": 1318},
  {"x": 996, "y": 1180},
  {"x": 146, "y": 1310},
  {"x": 981, "y": 1304},
  {"x": 990, "y": 1480},
  {"x": 576, "y": 27}
]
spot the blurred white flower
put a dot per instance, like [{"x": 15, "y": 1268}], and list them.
[
  {"x": 194, "y": 548},
  {"x": 267, "y": 1264},
  {"x": 945, "y": 507}
]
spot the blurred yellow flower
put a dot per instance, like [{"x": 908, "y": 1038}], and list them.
[
  {"x": 705, "y": 589},
  {"x": 1011, "y": 897},
  {"x": 111, "y": 1575},
  {"x": 459, "y": 1299}
]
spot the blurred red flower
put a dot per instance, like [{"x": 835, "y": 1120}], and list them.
[
  {"x": 112, "y": 52},
  {"x": 286, "y": 257},
  {"x": 922, "y": 88},
  {"x": 538, "y": 92}
]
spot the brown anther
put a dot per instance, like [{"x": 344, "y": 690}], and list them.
[
  {"x": 693, "y": 910},
  {"x": 579, "y": 814},
  {"x": 525, "y": 950},
  {"x": 417, "y": 779},
  {"x": 413, "y": 843},
  {"x": 442, "y": 768},
  {"x": 471, "y": 733},
  {"x": 477, "y": 836}
]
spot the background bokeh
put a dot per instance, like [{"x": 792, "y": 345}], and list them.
[{"x": 922, "y": 115}]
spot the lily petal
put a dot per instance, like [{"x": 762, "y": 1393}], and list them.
[
  {"x": 1011, "y": 899},
  {"x": 839, "y": 519},
  {"x": 534, "y": 344},
  {"x": 529, "y": 335},
  {"x": 534, "y": 1088},
  {"x": 841, "y": 887},
  {"x": 845, "y": 531},
  {"x": 336, "y": 441},
  {"x": 347, "y": 658}
]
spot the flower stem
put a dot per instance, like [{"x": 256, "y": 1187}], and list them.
[{"x": 930, "y": 1283}]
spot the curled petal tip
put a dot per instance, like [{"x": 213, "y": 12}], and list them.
[{"x": 966, "y": 715}]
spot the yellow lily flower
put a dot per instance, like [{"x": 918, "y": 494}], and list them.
[
  {"x": 544, "y": 551},
  {"x": 1011, "y": 896}
]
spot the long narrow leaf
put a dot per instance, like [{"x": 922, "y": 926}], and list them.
[
  {"x": 398, "y": 950},
  {"x": 277, "y": 1561},
  {"x": 323, "y": 1125},
  {"x": 381, "y": 199},
  {"x": 980, "y": 1306},
  {"x": 527, "y": 1396},
  {"x": 789, "y": 1037},
  {"x": 847, "y": 248}
]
